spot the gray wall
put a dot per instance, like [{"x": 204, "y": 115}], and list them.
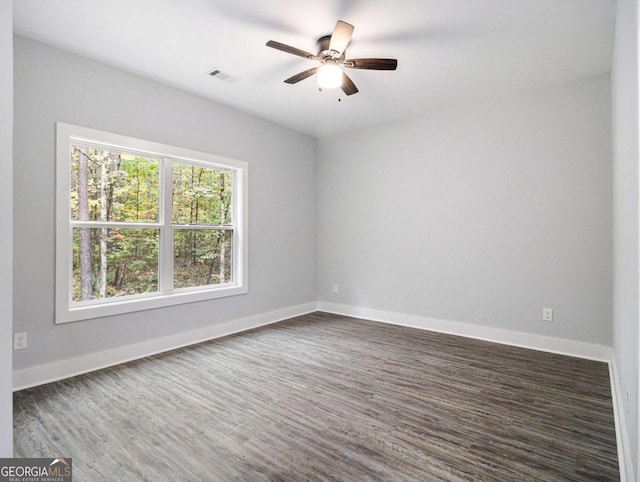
[
  {"x": 6, "y": 214},
  {"x": 625, "y": 212},
  {"x": 483, "y": 214},
  {"x": 50, "y": 86}
]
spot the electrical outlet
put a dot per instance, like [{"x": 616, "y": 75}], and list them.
[
  {"x": 335, "y": 289},
  {"x": 20, "y": 341},
  {"x": 547, "y": 314}
]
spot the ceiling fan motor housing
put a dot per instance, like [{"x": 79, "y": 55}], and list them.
[{"x": 325, "y": 54}]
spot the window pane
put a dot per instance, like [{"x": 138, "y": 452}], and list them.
[
  {"x": 201, "y": 257},
  {"x": 114, "y": 262},
  {"x": 113, "y": 186},
  {"x": 201, "y": 195}
]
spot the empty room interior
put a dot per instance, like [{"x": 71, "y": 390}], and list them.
[{"x": 340, "y": 240}]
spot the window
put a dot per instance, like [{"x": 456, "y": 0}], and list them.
[{"x": 142, "y": 225}]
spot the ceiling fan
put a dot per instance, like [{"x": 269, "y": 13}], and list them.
[{"x": 332, "y": 57}]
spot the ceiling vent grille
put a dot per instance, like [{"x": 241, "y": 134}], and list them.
[{"x": 220, "y": 75}]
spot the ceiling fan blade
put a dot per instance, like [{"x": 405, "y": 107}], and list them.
[
  {"x": 301, "y": 76},
  {"x": 348, "y": 87},
  {"x": 372, "y": 64},
  {"x": 340, "y": 37},
  {"x": 290, "y": 50}
]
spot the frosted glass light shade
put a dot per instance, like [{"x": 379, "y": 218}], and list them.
[{"x": 329, "y": 76}]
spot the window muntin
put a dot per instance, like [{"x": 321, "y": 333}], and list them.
[{"x": 142, "y": 225}]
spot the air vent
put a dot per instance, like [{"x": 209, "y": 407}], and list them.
[{"x": 220, "y": 75}]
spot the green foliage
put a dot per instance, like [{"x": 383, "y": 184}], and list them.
[
  {"x": 201, "y": 195},
  {"x": 120, "y": 187},
  {"x": 132, "y": 261},
  {"x": 124, "y": 188},
  {"x": 198, "y": 255}
]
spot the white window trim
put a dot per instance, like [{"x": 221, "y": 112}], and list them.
[{"x": 65, "y": 310}]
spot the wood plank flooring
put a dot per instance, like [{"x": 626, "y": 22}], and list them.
[{"x": 326, "y": 397}]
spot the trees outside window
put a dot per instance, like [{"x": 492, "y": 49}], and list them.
[{"x": 141, "y": 225}]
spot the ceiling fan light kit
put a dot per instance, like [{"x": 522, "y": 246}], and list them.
[
  {"x": 331, "y": 55},
  {"x": 330, "y": 76}
]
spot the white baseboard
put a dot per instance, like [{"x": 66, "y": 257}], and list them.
[
  {"x": 49, "y": 372},
  {"x": 38, "y": 375},
  {"x": 561, "y": 346},
  {"x": 59, "y": 370},
  {"x": 622, "y": 431}
]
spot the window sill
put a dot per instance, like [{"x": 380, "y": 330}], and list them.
[{"x": 110, "y": 307}]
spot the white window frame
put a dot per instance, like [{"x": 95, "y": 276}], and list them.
[{"x": 66, "y": 310}]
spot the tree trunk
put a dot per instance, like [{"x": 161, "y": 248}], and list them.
[
  {"x": 192, "y": 238},
  {"x": 118, "y": 277},
  {"x": 103, "y": 231},
  {"x": 86, "y": 288},
  {"x": 223, "y": 216},
  {"x": 210, "y": 275},
  {"x": 137, "y": 193}
]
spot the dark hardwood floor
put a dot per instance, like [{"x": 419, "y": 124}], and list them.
[{"x": 325, "y": 397}]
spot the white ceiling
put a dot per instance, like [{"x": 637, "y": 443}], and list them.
[{"x": 449, "y": 51}]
